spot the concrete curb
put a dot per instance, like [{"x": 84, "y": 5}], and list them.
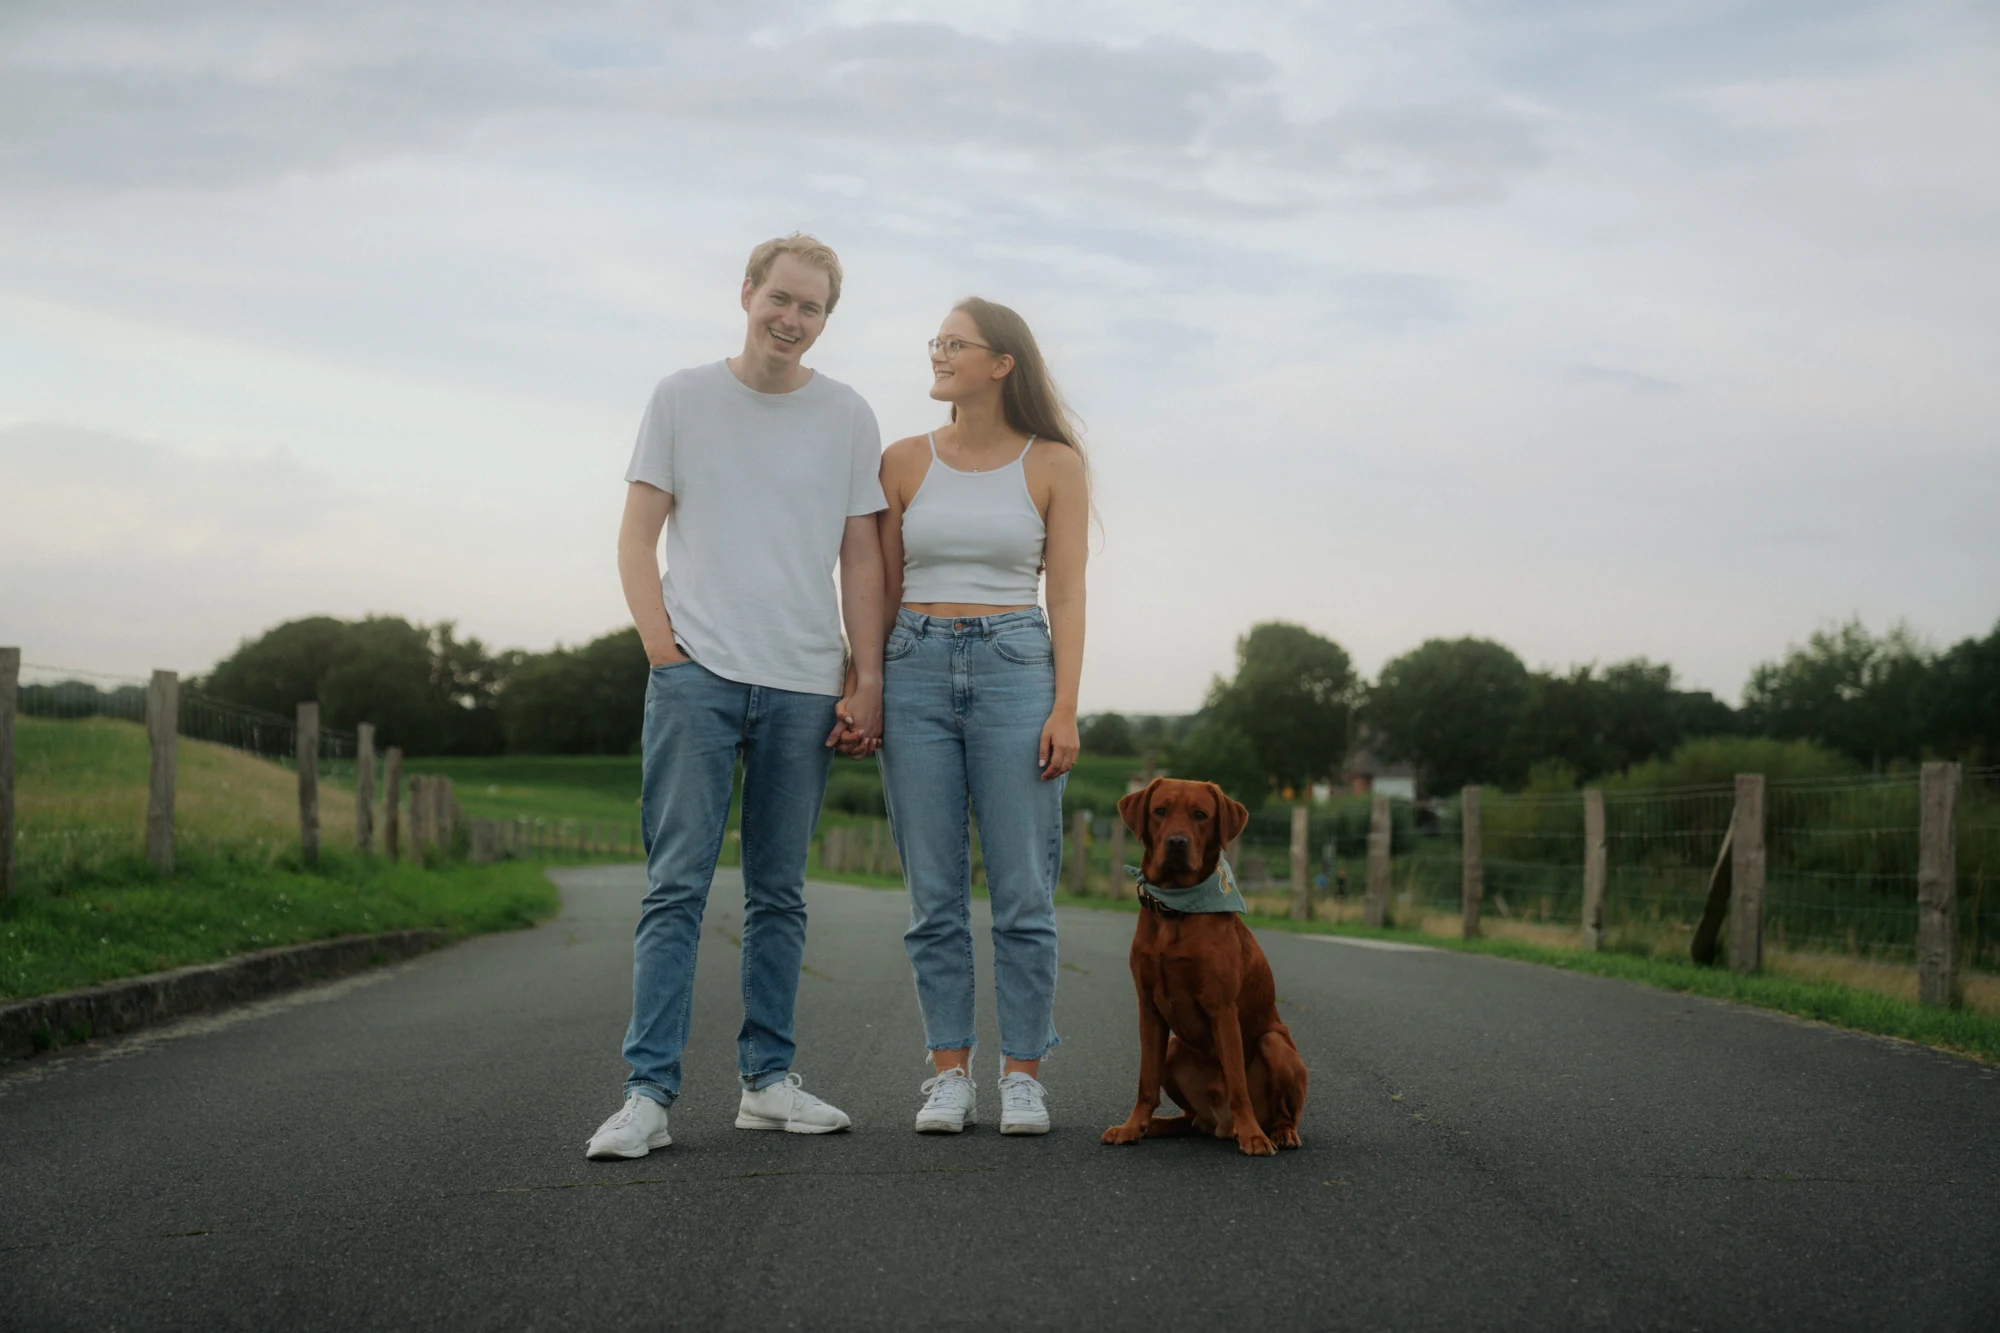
[{"x": 48, "y": 1021}]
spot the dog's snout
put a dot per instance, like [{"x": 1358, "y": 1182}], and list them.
[{"x": 1177, "y": 844}]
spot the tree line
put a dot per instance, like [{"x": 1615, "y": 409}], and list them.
[
  {"x": 1469, "y": 710},
  {"x": 1294, "y": 712},
  {"x": 434, "y": 693}
]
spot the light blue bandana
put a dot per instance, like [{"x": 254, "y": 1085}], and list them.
[{"x": 1217, "y": 893}]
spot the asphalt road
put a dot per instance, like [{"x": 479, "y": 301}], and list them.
[{"x": 1488, "y": 1145}]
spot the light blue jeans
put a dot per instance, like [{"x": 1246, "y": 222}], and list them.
[
  {"x": 964, "y": 702},
  {"x": 697, "y": 725}
]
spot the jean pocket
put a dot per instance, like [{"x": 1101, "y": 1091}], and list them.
[
  {"x": 901, "y": 643},
  {"x": 1028, "y": 646}
]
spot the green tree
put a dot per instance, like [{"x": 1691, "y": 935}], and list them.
[
  {"x": 1292, "y": 700},
  {"x": 1457, "y": 709},
  {"x": 588, "y": 700},
  {"x": 1109, "y": 734},
  {"x": 1214, "y": 751},
  {"x": 1602, "y": 722},
  {"x": 1845, "y": 688},
  {"x": 385, "y": 674},
  {"x": 1959, "y": 703},
  {"x": 281, "y": 668},
  {"x": 424, "y": 689}
]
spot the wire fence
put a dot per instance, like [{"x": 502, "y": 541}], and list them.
[
  {"x": 69, "y": 694},
  {"x": 82, "y": 786},
  {"x": 1841, "y": 854},
  {"x": 1840, "y": 865},
  {"x": 1979, "y": 868}
]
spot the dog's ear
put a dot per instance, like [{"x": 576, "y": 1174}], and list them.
[
  {"x": 1133, "y": 807},
  {"x": 1231, "y": 816}
]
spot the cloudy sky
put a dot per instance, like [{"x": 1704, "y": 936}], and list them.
[{"x": 1661, "y": 328}]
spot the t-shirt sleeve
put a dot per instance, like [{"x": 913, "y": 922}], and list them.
[
  {"x": 864, "y": 486},
  {"x": 653, "y": 452}
]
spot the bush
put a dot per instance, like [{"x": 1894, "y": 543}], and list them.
[{"x": 1718, "y": 759}]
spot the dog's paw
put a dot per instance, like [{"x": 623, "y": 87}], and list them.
[
  {"x": 1256, "y": 1145},
  {"x": 1288, "y": 1138},
  {"x": 1125, "y": 1133}
]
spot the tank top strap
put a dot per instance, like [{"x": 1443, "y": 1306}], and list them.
[
  {"x": 1018, "y": 458},
  {"x": 931, "y": 435}
]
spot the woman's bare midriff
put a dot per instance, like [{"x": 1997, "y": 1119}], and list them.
[{"x": 961, "y": 610}]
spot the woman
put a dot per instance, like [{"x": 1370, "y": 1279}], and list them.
[{"x": 979, "y": 694}]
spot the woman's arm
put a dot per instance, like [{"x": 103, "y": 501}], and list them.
[
  {"x": 646, "y": 510},
  {"x": 897, "y": 463},
  {"x": 1068, "y": 524}
]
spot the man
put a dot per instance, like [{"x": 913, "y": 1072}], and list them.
[{"x": 767, "y": 471}]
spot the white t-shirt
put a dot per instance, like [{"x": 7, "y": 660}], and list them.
[{"x": 763, "y": 486}]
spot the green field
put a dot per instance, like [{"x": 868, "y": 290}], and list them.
[
  {"x": 596, "y": 788},
  {"x": 91, "y": 909}
]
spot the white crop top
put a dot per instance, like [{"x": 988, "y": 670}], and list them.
[{"x": 973, "y": 536}]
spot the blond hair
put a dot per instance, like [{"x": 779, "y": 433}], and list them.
[{"x": 809, "y": 249}]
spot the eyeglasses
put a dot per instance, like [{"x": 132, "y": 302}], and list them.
[{"x": 949, "y": 348}]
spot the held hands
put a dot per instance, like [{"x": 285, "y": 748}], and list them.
[
  {"x": 1059, "y": 745},
  {"x": 857, "y": 719}
]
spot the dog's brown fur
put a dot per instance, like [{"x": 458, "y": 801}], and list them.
[{"x": 1209, "y": 1031}]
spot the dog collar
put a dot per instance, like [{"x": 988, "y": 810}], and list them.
[{"x": 1217, "y": 893}]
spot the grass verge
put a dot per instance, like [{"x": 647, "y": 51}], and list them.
[
  {"x": 57, "y": 942},
  {"x": 1956, "y": 1031}
]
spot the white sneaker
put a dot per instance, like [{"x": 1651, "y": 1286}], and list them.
[
  {"x": 789, "y": 1107},
  {"x": 952, "y": 1102},
  {"x": 639, "y": 1127},
  {"x": 1021, "y": 1106}
]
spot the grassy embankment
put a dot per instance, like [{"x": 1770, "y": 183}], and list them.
[{"x": 92, "y": 910}]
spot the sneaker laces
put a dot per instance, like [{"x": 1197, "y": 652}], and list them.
[
  {"x": 800, "y": 1097},
  {"x": 940, "y": 1087},
  {"x": 1021, "y": 1092},
  {"x": 624, "y": 1114}
]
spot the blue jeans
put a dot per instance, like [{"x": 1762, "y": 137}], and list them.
[
  {"x": 697, "y": 725},
  {"x": 964, "y": 702}
]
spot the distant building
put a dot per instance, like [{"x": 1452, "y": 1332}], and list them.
[{"x": 1364, "y": 774}]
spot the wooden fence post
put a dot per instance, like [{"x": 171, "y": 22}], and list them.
[
  {"x": 1746, "y": 872},
  {"x": 420, "y": 816},
  {"x": 163, "y": 716},
  {"x": 364, "y": 789},
  {"x": 1594, "y": 868},
  {"x": 1079, "y": 870},
  {"x": 445, "y": 818},
  {"x": 1301, "y": 896},
  {"x": 1118, "y": 878},
  {"x": 392, "y": 797},
  {"x": 308, "y": 757},
  {"x": 1379, "y": 846},
  {"x": 1472, "y": 863},
  {"x": 1937, "y": 885},
  {"x": 10, "y": 684}
]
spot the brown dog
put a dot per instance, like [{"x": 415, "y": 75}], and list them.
[{"x": 1209, "y": 1031}]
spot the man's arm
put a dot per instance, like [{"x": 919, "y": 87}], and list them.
[
  {"x": 646, "y": 510},
  {"x": 859, "y": 713}
]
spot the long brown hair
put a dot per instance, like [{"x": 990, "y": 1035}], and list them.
[{"x": 1028, "y": 396}]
